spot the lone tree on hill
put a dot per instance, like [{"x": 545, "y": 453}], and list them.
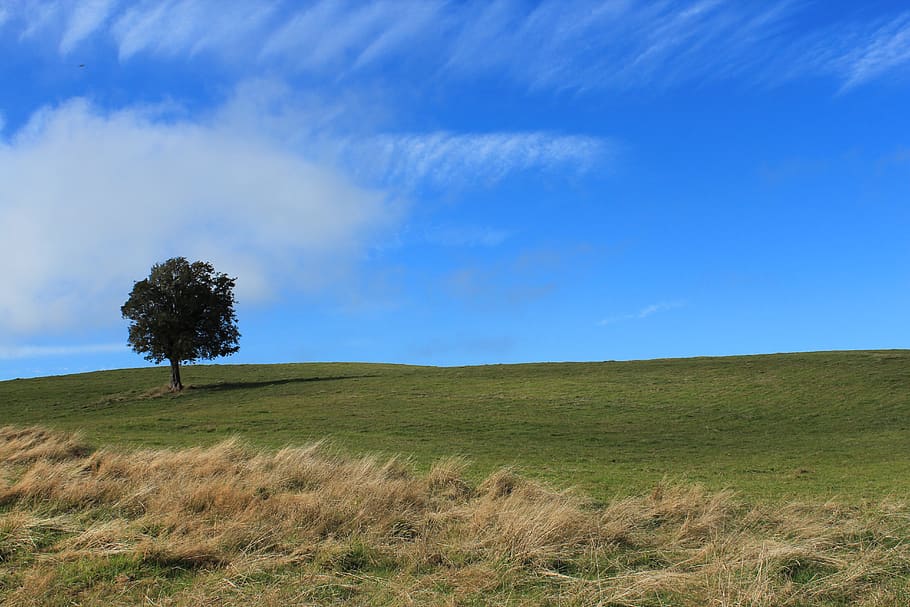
[{"x": 182, "y": 312}]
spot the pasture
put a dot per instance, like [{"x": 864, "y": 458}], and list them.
[
  {"x": 820, "y": 425},
  {"x": 761, "y": 480}
]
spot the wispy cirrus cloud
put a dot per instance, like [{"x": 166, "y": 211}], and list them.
[
  {"x": 444, "y": 159},
  {"x": 85, "y": 18},
  {"x": 884, "y": 49},
  {"x": 551, "y": 44},
  {"x": 595, "y": 45},
  {"x": 186, "y": 27},
  {"x": 643, "y": 313},
  {"x": 855, "y": 53},
  {"x": 348, "y": 35}
]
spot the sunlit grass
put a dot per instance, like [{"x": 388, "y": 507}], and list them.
[
  {"x": 833, "y": 424},
  {"x": 234, "y": 525}
]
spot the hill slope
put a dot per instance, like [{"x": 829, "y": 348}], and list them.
[{"x": 815, "y": 424}]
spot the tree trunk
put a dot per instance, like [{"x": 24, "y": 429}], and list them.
[{"x": 176, "y": 384}]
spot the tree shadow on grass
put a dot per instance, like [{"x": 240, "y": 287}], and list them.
[{"x": 248, "y": 385}]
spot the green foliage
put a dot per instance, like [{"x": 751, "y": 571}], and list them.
[{"x": 181, "y": 313}]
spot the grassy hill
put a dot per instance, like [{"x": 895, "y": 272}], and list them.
[
  {"x": 109, "y": 518},
  {"x": 827, "y": 424}
]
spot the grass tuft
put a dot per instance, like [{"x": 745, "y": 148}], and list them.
[{"x": 231, "y": 525}]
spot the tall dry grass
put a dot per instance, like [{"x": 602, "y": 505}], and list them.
[{"x": 230, "y": 525}]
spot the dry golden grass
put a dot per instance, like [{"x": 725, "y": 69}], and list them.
[{"x": 229, "y": 525}]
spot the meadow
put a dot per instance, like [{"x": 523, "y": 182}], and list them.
[
  {"x": 775, "y": 480},
  {"x": 822, "y": 425}
]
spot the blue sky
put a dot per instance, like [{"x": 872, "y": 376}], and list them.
[{"x": 451, "y": 183}]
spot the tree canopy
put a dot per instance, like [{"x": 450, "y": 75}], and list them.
[{"x": 181, "y": 313}]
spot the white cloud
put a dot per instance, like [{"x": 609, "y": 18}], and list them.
[
  {"x": 444, "y": 159},
  {"x": 184, "y": 27},
  {"x": 658, "y": 307},
  {"x": 551, "y": 44},
  {"x": 89, "y": 200},
  {"x": 86, "y": 17},
  {"x": 643, "y": 313},
  {"x": 593, "y": 45},
  {"x": 36, "y": 16},
  {"x": 20, "y": 352},
  {"x": 884, "y": 50},
  {"x": 334, "y": 33}
]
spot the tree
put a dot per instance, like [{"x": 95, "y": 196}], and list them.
[{"x": 182, "y": 312}]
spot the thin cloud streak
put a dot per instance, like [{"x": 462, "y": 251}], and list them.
[
  {"x": 444, "y": 159},
  {"x": 333, "y": 34},
  {"x": 885, "y": 50},
  {"x": 595, "y": 45},
  {"x": 550, "y": 45},
  {"x": 186, "y": 27},
  {"x": 645, "y": 312},
  {"x": 85, "y": 18}
]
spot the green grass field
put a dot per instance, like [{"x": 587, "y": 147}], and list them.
[
  {"x": 814, "y": 425},
  {"x": 815, "y": 447}
]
